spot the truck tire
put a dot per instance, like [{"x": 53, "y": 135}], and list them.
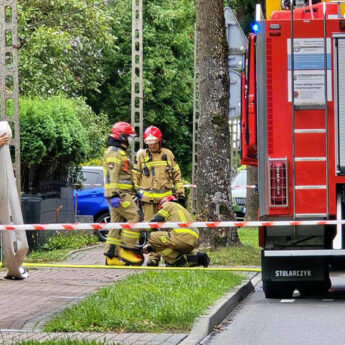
[{"x": 277, "y": 290}]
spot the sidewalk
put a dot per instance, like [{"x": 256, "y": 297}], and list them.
[{"x": 25, "y": 306}]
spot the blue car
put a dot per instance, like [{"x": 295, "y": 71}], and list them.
[{"x": 90, "y": 201}]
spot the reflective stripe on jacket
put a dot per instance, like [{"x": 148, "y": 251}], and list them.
[
  {"x": 117, "y": 172},
  {"x": 156, "y": 174},
  {"x": 174, "y": 212}
]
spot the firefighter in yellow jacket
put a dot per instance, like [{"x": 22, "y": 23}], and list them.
[
  {"x": 178, "y": 246},
  {"x": 120, "y": 193},
  {"x": 155, "y": 174}
]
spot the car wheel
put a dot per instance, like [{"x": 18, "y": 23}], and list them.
[{"x": 102, "y": 234}]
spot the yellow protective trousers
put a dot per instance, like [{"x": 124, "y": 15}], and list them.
[
  {"x": 149, "y": 210},
  {"x": 127, "y": 211},
  {"x": 171, "y": 245}
]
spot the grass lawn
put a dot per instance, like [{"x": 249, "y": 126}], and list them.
[
  {"x": 248, "y": 254},
  {"x": 154, "y": 301},
  {"x": 149, "y": 302},
  {"x": 60, "y": 245}
]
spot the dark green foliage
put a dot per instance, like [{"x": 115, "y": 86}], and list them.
[
  {"x": 168, "y": 72},
  {"x": 84, "y": 48},
  {"x": 62, "y": 44}
]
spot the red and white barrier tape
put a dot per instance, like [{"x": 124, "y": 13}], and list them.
[
  {"x": 108, "y": 226},
  {"x": 189, "y": 186},
  {"x": 253, "y": 186},
  {"x": 102, "y": 185}
]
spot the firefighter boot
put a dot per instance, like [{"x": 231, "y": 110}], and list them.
[
  {"x": 203, "y": 259},
  {"x": 115, "y": 261},
  {"x": 180, "y": 262},
  {"x": 131, "y": 257},
  {"x": 192, "y": 260},
  {"x": 152, "y": 263}
]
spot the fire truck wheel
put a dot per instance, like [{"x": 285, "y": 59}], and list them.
[{"x": 278, "y": 290}]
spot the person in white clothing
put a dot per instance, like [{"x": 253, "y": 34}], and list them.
[{"x": 4, "y": 139}]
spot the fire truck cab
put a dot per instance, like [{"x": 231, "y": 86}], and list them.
[{"x": 293, "y": 129}]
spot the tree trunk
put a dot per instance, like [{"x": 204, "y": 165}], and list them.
[
  {"x": 213, "y": 176},
  {"x": 252, "y": 200}
]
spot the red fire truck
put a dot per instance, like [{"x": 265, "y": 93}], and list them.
[{"x": 293, "y": 130}]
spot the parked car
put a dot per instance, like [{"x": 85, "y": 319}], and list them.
[
  {"x": 89, "y": 199},
  {"x": 239, "y": 193}
]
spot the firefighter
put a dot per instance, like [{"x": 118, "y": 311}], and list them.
[
  {"x": 178, "y": 247},
  {"x": 156, "y": 173},
  {"x": 120, "y": 193}
]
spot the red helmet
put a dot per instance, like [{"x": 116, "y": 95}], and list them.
[
  {"x": 167, "y": 199},
  {"x": 152, "y": 135},
  {"x": 121, "y": 131}
]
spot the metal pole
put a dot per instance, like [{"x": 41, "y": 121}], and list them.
[
  {"x": 195, "y": 117},
  {"x": 9, "y": 91},
  {"x": 326, "y": 99},
  {"x": 137, "y": 117},
  {"x": 9, "y": 94},
  {"x": 293, "y": 110}
]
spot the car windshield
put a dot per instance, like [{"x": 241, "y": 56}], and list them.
[{"x": 240, "y": 179}]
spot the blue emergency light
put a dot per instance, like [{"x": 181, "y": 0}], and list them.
[{"x": 255, "y": 27}]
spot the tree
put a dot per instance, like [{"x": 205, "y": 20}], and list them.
[
  {"x": 168, "y": 29},
  {"x": 62, "y": 45},
  {"x": 213, "y": 176}
]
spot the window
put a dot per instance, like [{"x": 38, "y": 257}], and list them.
[{"x": 91, "y": 178}]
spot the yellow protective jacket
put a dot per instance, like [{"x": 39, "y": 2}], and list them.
[
  {"x": 156, "y": 174},
  {"x": 174, "y": 212},
  {"x": 117, "y": 172}
]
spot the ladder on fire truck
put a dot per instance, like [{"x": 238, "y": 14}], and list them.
[{"x": 310, "y": 139}]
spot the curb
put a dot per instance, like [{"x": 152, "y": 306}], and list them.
[{"x": 205, "y": 324}]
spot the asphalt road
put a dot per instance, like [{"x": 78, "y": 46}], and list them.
[{"x": 260, "y": 321}]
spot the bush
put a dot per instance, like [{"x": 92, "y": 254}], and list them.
[{"x": 57, "y": 133}]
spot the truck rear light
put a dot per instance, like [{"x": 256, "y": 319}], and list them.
[{"x": 278, "y": 182}]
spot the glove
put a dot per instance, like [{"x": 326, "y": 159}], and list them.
[
  {"x": 115, "y": 201},
  {"x": 181, "y": 200},
  {"x": 139, "y": 195}
]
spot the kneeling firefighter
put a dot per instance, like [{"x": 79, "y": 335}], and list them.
[
  {"x": 121, "y": 244},
  {"x": 178, "y": 247}
]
